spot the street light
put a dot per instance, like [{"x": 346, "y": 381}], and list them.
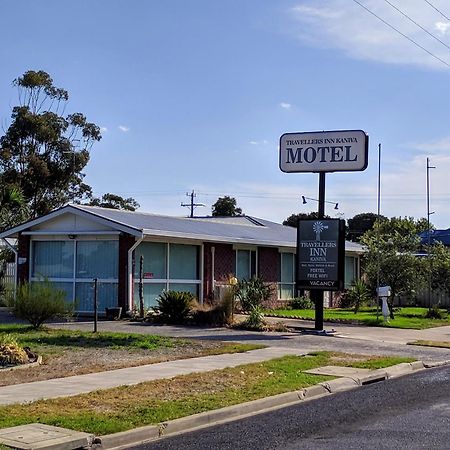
[{"x": 336, "y": 205}]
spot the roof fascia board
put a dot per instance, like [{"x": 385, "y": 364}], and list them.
[{"x": 76, "y": 211}]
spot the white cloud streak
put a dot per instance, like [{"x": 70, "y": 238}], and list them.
[
  {"x": 343, "y": 25},
  {"x": 285, "y": 105},
  {"x": 123, "y": 128}
]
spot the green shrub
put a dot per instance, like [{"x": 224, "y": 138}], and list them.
[
  {"x": 357, "y": 296},
  {"x": 301, "y": 303},
  {"x": 251, "y": 293},
  {"x": 11, "y": 353},
  {"x": 434, "y": 313},
  {"x": 255, "y": 320},
  {"x": 174, "y": 306},
  {"x": 40, "y": 301}
]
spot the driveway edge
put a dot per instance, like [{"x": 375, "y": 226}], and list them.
[{"x": 150, "y": 433}]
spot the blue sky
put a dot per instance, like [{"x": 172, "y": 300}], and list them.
[{"x": 195, "y": 95}]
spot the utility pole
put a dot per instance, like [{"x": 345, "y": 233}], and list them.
[
  {"x": 191, "y": 204},
  {"x": 429, "y": 232}
]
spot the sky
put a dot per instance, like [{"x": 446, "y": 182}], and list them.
[{"x": 194, "y": 95}]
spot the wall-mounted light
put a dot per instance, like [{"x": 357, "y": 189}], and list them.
[
  {"x": 72, "y": 236},
  {"x": 336, "y": 205}
]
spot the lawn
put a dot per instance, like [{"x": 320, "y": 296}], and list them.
[
  {"x": 67, "y": 352},
  {"x": 405, "y": 317},
  {"x": 127, "y": 407}
]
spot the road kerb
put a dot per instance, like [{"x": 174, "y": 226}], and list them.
[
  {"x": 149, "y": 433},
  {"x": 430, "y": 365}
]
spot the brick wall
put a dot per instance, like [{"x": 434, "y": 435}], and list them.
[
  {"x": 125, "y": 243},
  {"x": 224, "y": 266},
  {"x": 23, "y": 251},
  {"x": 268, "y": 267}
]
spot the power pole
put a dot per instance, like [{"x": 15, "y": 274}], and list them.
[{"x": 191, "y": 204}]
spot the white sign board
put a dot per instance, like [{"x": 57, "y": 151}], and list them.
[{"x": 324, "y": 151}]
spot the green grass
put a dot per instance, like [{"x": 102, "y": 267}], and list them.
[
  {"x": 126, "y": 407},
  {"x": 47, "y": 341},
  {"x": 406, "y": 317}
]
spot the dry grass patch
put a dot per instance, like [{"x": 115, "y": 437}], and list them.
[{"x": 440, "y": 344}]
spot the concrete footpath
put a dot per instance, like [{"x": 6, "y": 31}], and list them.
[{"x": 81, "y": 384}]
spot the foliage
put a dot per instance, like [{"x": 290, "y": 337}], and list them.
[
  {"x": 252, "y": 293},
  {"x": 357, "y": 296},
  {"x": 219, "y": 313},
  {"x": 226, "y": 206},
  {"x": 11, "y": 352},
  {"x": 40, "y": 301},
  {"x": 13, "y": 207},
  {"x": 434, "y": 313},
  {"x": 43, "y": 152},
  {"x": 114, "y": 201},
  {"x": 174, "y": 306},
  {"x": 255, "y": 320},
  {"x": 359, "y": 224},
  {"x": 293, "y": 219},
  {"x": 392, "y": 245},
  {"x": 301, "y": 303}
]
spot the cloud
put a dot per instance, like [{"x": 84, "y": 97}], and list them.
[
  {"x": 347, "y": 27},
  {"x": 442, "y": 27},
  {"x": 285, "y": 105},
  {"x": 103, "y": 129},
  {"x": 124, "y": 128},
  {"x": 263, "y": 142},
  {"x": 437, "y": 146}
]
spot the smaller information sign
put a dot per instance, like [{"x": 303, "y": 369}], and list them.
[{"x": 321, "y": 254}]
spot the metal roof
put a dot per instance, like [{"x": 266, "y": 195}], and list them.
[{"x": 235, "y": 230}]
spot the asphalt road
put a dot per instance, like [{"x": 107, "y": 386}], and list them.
[{"x": 411, "y": 412}]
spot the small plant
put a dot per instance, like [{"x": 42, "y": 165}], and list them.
[
  {"x": 301, "y": 303},
  {"x": 252, "y": 293},
  {"x": 11, "y": 353},
  {"x": 40, "y": 301},
  {"x": 174, "y": 306},
  {"x": 357, "y": 296},
  {"x": 434, "y": 313},
  {"x": 255, "y": 320}
]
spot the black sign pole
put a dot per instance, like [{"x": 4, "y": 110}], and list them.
[{"x": 318, "y": 294}]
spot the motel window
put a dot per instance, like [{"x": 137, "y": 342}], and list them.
[
  {"x": 351, "y": 270},
  {"x": 71, "y": 265},
  {"x": 286, "y": 285},
  {"x": 166, "y": 267},
  {"x": 245, "y": 264}
]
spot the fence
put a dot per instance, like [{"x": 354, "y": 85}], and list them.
[{"x": 437, "y": 297}]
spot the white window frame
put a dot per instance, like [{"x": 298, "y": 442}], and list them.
[
  {"x": 74, "y": 280},
  {"x": 280, "y": 282}
]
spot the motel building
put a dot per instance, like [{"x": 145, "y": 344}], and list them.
[{"x": 75, "y": 244}]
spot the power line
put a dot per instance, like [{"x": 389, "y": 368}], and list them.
[
  {"x": 402, "y": 34},
  {"x": 417, "y": 24},
  {"x": 439, "y": 11}
]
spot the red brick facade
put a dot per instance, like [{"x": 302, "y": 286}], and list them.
[
  {"x": 224, "y": 266},
  {"x": 125, "y": 243},
  {"x": 268, "y": 267},
  {"x": 23, "y": 254}
]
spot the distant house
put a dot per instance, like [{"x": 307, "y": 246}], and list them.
[
  {"x": 75, "y": 244},
  {"x": 436, "y": 236}
]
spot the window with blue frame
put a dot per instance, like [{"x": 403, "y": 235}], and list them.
[{"x": 71, "y": 265}]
